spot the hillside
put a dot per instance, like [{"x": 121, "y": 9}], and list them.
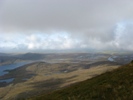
[{"x": 115, "y": 85}]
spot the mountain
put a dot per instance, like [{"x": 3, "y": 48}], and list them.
[{"x": 114, "y": 85}]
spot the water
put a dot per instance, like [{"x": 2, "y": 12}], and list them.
[
  {"x": 110, "y": 59},
  {"x": 7, "y": 80},
  {"x": 114, "y": 56},
  {"x": 3, "y": 68}
]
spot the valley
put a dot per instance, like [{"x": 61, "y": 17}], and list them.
[{"x": 34, "y": 74}]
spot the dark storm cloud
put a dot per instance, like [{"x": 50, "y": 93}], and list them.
[{"x": 92, "y": 22}]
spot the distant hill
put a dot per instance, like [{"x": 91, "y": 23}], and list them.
[
  {"x": 5, "y": 54},
  {"x": 11, "y": 58},
  {"x": 31, "y": 56},
  {"x": 115, "y": 85}
]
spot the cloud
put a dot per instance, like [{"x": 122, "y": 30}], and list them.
[
  {"x": 123, "y": 32},
  {"x": 66, "y": 24},
  {"x": 38, "y": 42},
  {"x": 63, "y": 15}
]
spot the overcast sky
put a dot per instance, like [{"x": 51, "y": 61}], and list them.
[{"x": 39, "y": 25}]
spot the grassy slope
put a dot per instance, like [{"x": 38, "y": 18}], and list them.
[{"x": 115, "y": 85}]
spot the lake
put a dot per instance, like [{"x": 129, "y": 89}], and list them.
[
  {"x": 3, "y": 68},
  {"x": 7, "y": 80}
]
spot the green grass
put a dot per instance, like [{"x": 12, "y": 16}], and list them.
[{"x": 115, "y": 85}]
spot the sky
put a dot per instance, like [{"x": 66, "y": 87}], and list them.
[{"x": 44, "y": 25}]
